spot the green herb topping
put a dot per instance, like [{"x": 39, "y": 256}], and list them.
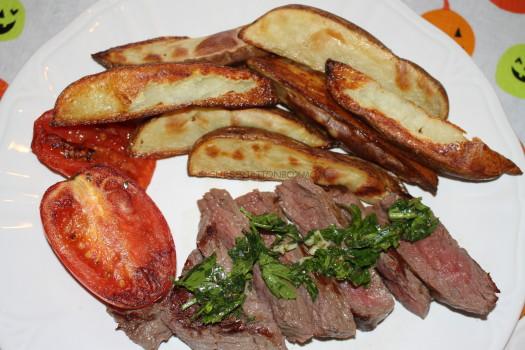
[{"x": 345, "y": 254}]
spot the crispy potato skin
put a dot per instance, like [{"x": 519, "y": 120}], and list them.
[
  {"x": 224, "y": 48},
  {"x": 304, "y": 91},
  {"x": 465, "y": 159},
  {"x": 311, "y": 36},
  {"x": 140, "y": 91},
  {"x": 248, "y": 153},
  {"x": 174, "y": 133}
]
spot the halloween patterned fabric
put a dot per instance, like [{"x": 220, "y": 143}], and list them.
[
  {"x": 3, "y": 87},
  {"x": 454, "y": 25},
  {"x": 515, "y": 6},
  {"x": 12, "y": 19},
  {"x": 510, "y": 72},
  {"x": 492, "y": 32}
]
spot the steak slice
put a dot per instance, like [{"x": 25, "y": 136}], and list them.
[
  {"x": 406, "y": 287},
  {"x": 144, "y": 326},
  {"x": 294, "y": 317},
  {"x": 222, "y": 222},
  {"x": 310, "y": 207},
  {"x": 453, "y": 277},
  {"x": 260, "y": 203},
  {"x": 371, "y": 304}
]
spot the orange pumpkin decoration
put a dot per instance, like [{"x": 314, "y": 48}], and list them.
[
  {"x": 516, "y": 6},
  {"x": 454, "y": 25}
]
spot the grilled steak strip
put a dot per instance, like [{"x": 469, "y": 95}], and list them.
[
  {"x": 222, "y": 222},
  {"x": 294, "y": 317},
  {"x": 144, "y": 326},
  {"x": 452, "y": 276},
  {"x": 310, "y": 207},
  {"x": 231, "y": 333},
  {"x": 406, "y": 287},
  {"x": 332, "y": 314}
]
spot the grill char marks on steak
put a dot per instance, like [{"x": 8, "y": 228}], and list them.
[
  {"x": 406, "y": 287},
  {"x": 222, "y": 222},
  {"x": 294, "y": 317},
  {"x": 452, "y": 276},
  {"x": 310, "y": 207}
]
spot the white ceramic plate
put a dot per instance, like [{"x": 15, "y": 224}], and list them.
[
  {"x": 517, "y": 341},
  {"x": 43, "y": 307}
]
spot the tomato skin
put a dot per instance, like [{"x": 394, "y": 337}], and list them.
[
  {"x": 111, "y": 237},
  {"x": 68, "y": 150}
]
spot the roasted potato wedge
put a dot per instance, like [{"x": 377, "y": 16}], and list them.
[
  {"x": 247, "y": 153},
  {"x": 140, "y": 91},
  {"x": 304, "y": 91},
  {"x": 311, "y": 36},
  {"x": 175, "y": 133},
  {"x": 222, "y": 48},
  {"x": 438, "y": 143}
]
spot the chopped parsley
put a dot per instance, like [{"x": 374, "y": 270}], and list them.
[
  {"x": 345, "y": 254},
  {"x": 217, "y": 293}
]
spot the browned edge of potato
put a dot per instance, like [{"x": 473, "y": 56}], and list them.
[
  {"x": 175, "y": 133},
  {"x": 140, "y": 91},
  {"x": 223, "y": 48},
  {"x": 303, "y": 90},
  {"x": 438, "y": 143},
  {"x": 248, "y": 153},
  {"x": 311, "y": 36}
]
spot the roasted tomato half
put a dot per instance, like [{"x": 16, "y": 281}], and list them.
[
  {"x": 111, "y": 237},
  {"x": 68, "y": 150}
]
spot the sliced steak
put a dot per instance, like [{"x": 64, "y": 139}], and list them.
[
  {"x": 310, "y": 207},
  {"x": 221, "y": 223},
  {"x": 406, "y": 287},
  {"x": 260, "y": 203},
  {"x": 144, "y": 326},
  {"x": 453, "y": 277},
  {"x": 371, "y": 304},
  {"x": 307, "y": 205},
  {"x": 294, "y": 317}
]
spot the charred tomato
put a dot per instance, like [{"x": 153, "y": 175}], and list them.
[
  {"x": 69, "y": 150},
  {"x": 111, "y": 237}
]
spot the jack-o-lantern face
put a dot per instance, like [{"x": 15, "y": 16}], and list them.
[
  {"x": 12, "y": 19},
  {"x": 454, "y": 25},
  {"x": 518, "y": 69},
  {"x": 510, "y": 72}
]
